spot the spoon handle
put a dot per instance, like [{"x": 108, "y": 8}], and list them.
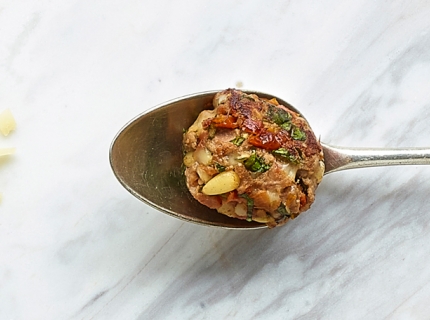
[{"x": 340, "y": 158}]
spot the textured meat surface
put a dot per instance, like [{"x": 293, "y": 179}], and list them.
[{"x": 275, "y": 159}]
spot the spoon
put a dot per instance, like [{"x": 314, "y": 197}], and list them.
[{"x": 146, "y": 158}]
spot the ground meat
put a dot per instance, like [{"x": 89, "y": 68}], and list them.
[{"x": 253, "y": 159}]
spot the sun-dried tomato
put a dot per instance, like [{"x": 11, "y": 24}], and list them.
[
  {"x": 283, "y": 136},
  {"x": 252, "y": 126},
  {"x": 222, "y": 121},
  {"x": 266, "y": 140}
]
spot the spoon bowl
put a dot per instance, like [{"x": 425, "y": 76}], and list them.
[{"x": 146, "y": 157}]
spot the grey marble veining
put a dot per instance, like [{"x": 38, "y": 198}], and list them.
[{"x": 75, "y": 245}]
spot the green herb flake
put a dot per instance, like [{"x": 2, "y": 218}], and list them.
[
  {"x": 250, "y": 161},
  {"x": 238, "y": 141},
  {"x": 278, "y": 115},
  {"x": 282, "y": 210},
  {"x": 256, "y": 164},
  {"x": 286, "y": 155},
  {"x": 250, "y": 206},
  {"x": 219, "y": 167},
  {"x": 287, "y": 125},
  {"x": 298, "y": 134}
]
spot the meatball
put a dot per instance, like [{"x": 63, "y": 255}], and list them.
[{"x": 251, "y": 158}]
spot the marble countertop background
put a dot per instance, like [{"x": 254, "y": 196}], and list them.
[{"x": 75, "y": 245}]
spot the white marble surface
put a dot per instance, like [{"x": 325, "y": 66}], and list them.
[{"x": 75, "y": 245}]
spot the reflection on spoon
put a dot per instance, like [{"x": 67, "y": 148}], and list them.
[{"x": 146, "y": 157}]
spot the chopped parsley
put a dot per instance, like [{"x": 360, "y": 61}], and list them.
[
  {"x": 256, "y": 164},
  {"x": 283, "y": 119},
  {"x": 282, "y": 210},
  {"x": 250, "y": 205},
  {"x": 287, "y": 125},
  {"x": 238, "y": 141},
  {"x": 286, "y": 155},
  {"x": 298, "y": 134},
  {"x": 219, "y": 167},
  {"x": 279, "y": 116}
]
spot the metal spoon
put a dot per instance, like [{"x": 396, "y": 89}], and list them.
[{"x": 146, "y": 158}]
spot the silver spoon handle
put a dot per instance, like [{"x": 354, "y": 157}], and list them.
[{"x": 339, "y": 158}]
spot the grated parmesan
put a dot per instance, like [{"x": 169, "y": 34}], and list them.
[{"x": 7, "y": 122}]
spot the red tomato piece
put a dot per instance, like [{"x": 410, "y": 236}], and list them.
[
  {"x": 227, "y": 122},
  {"x": 266, "y": 140},
  {"x": 252, "y": 126}
]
